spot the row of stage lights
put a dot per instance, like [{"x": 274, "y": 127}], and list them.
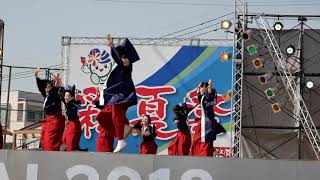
[{"x": 258, "y": 63}]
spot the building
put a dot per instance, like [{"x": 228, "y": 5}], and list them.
[{"x": 25, "y": 109}]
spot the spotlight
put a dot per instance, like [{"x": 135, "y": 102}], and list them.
[
  {"x": 278, "y": 26},
  {"x": 270, "y": 92},
  {"x": 263, "y": 79},
  {"x": 290, "y": 50},
  {"x": 225, "y": 25},
  {"x": 276, "y": 107},
  {"x": 252, "y": 49},
  {"x": 246, "y": 35},
  {"x": 258, "y": 63},
  {"x": 310, "y": 84},
  {"x": 225, "y": 56}
]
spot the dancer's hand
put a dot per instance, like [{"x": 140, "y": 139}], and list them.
[
  {"x": 210, "y": 83},
  {"x": 36, "y": 72},
  {"x": 198, "y": 88},
  {"x": 109, "y": 40},
  {"x": 56, "y": 78},
  {"x": 97, "y": 91},
  {"x": 126, "y": 62},
  {"x": 146, "y": 133},
  {"x": 209, "y": 86},
  {"x": 186, "y": 97}
]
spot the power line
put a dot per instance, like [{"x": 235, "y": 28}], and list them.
[
  {"x": 24, "y": 74},
  {"x": 296, "y": 3},
  {"x": 189, "y": 28}
]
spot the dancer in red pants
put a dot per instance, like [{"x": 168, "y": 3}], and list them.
[
  {"x": 105, "y": 139},
  {"x": 207, "y": 128},
  {"x": 199, "y": 148},
  {"x": 181, "y": 144},
  {"x": 148, "y": 134},
  {"x": 55, "y": 121},
  {"x": 119, "y": 91},
  {"x": 72, "y": 133}
]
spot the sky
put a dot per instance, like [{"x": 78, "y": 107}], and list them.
[{"x": 33, "y": 28}]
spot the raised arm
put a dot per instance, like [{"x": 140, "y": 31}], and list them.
[{"x": 40, "y": 83}]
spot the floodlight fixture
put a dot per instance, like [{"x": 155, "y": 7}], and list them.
[
  {"x": 226, "y": 25},
  {"x": 290, "y": 50},
  {"x": 309, "y": 84},
  {"x": 278, "y": 26}
]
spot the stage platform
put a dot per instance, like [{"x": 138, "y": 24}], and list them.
[{"x": 37, "y": 165}]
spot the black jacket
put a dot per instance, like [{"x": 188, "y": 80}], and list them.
[
  {"x": 72, "y": 106},
  {"x": 52, "y": 103},
  {"x": 150, "y": 128},
  {"x": 182, "y": 116}
]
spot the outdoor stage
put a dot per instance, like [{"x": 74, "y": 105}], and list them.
[{"x": 32, "y": 165}]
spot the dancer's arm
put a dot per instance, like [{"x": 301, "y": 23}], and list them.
[{"x": 40, "y": 83}]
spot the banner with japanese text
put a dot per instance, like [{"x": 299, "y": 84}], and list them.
[{"x": 163, "y": 77}]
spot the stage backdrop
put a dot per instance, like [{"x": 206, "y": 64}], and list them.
[{"x": 163, "y": 76}]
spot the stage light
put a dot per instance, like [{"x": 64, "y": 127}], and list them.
[
  {"x": 257, "y": 62},
  {"x": 264, "y": 79},
  {"x": 225, "y": 56},
  {"x": 310, "y": 84},
  {"x": 252, "y": 49},
  {"x": 276, "y": 107},
  {"x": 225, "y": 25},
  {"x": 290, "y": 50},
  {"x": 246, "y": 35},
  {"x": 270, "y": 92},
  {"x": 278, "y": 26}
]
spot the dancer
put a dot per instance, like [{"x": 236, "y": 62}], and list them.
[
  {"x": 181, "y": 144},
  {"x": 105, "y": 139},
  {"x": 119, "y": 91},
  {"x": 208, "y": 127},
  {"x": 148, "y": 134},
  {"x": 72, "y": 133},
  {"x": 55, "y": 121}
]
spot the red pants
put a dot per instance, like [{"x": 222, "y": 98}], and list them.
[
  {"x": 149, "y": 147},
  {"x": 43, "y": 129},
  {"x": 105, "y": 139},
  {"x": 52, "y": 136},
  {"x": 199, "y": 148},
  {"x": 202, "y": 149},
  {"x": 117, "y": 112},
  {"x": 181, "y": 144},
  {"x": 1, "y": 138},
  {"x": 72, "y": 134}
]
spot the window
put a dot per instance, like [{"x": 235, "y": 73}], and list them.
[
  {"x": 31, "y": 116},
  {"x": 35, "y": 113},
  {"x": 20, "y": 112}
]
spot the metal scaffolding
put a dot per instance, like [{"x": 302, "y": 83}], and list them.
[
  {"x": 237, "y": 74},
  {"x": 291, "y": 87}
]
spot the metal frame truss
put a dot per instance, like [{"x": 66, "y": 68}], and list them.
[
  {"x": 237, "y": 76},
  {"x": 148, "y": 41},
  {"x": 289, "y": 83}
]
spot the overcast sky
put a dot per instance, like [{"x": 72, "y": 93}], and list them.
[{"x": 33, "y": 28}]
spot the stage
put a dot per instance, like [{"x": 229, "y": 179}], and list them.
[{"x": 37, "y": 165}]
